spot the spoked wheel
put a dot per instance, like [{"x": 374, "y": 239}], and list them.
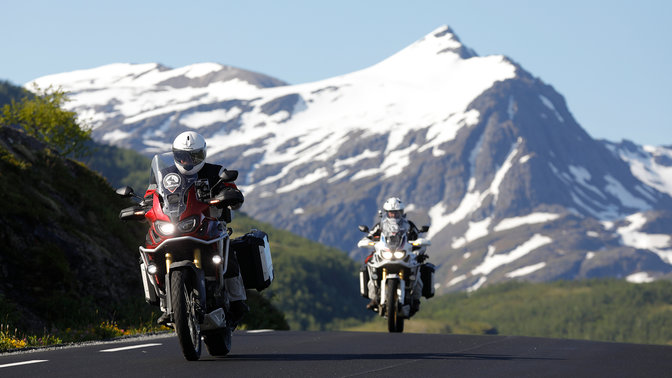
[
  {"x": 186, "y": 321},
  {"x": 218, "y": 342},
  {"x": 395, "y": 321}
]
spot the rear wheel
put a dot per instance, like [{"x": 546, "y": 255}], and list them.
[
  {"x": 186, "y": 321},
  {"x": 395, "y": 321}
]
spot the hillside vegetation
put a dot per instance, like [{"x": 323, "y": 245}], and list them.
[
  {"x": 317, "y": 287},
  {"x": 75, "y": 211},
  {"x": 605, "y": 310}
]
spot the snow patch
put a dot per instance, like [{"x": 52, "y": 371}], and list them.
[
  {"x": 549, "y": 105},
  {"x": 644, "y": 164},
  {"x": 456, "y": 280},
  {"x": 524, "y": 271},
  {"x": 367, "y": 154},
  {"x": 475, "y": 231},
  {"x": 197, "y": 120},
  {"x": 472, "y": 200},
  {"x": 477, "y": 285},
  {"x": 114, "y": 136},
  {"x": 657, "y": 243},
  {"x": 533, "y": 218},
  {"x": 641, "y": 277},
  {"x": 493, "y": 261},
  {"x": 317, "y": 175},
  {"x": 626, "y": 198}
]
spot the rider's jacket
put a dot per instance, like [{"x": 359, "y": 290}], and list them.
[
  {"x": 211, "y": 173},
  {"x": 413, "y": 231}
]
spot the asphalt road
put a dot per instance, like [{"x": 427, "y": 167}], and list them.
[{"x": 347, "y": 354}]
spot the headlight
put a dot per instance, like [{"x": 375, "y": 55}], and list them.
[
  {"x": 399, "y": 254},
  {"x": 187, "y": 225},
  {"x": 387, "y": 254},
  {"x": 165, "y": 228},
  {"x": 217, "y": 259}
]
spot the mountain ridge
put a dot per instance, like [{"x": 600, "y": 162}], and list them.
[{"x": 469, "y": 142}]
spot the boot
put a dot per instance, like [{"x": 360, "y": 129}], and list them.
[
  {"x": 415, "y": 306},
  {"x": 163, "y": 319},
  {"x": 237, "y": 310},
  {"x": 372, "y": 305}
]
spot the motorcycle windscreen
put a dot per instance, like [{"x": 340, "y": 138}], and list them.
[
  {"x": 393, "y": 232},
  {"x": 171, "y": 185}
]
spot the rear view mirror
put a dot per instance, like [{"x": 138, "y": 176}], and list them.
[
  {"x": 424, "y": 228},
  {"x": 363, "y": 228},
  {"x": 125, "y": 191},
  {"x": 228, "y": 176}
]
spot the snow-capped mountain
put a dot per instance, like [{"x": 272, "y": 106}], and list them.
[{"x": 477, "y": 147}]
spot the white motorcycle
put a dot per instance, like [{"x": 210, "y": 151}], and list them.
[{"x": 395, "y": 275}]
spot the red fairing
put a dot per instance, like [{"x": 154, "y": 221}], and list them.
[
  {"x": 193, "y": 207},
  {"x": 155, "y": 213}
]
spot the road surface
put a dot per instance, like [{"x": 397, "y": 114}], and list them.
[{"x": 347, "y": 354}]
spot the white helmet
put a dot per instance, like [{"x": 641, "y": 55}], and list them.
[
  {"x": 189, "y": 152},
  {"x": 394, "y": 207}
]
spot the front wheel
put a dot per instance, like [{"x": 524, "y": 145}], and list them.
[
  {"x": 186, "y": 321},
  {"x": 395, "y": 321}
]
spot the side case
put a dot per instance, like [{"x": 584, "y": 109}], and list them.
[
  {"x": 254, "y": 258},
  {"x": 427, "y": 277}
]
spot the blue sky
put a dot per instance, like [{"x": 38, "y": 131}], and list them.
[{"x": 610, "y": 60}]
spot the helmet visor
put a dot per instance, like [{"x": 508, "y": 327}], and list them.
[{"x": 189, "y": 159}]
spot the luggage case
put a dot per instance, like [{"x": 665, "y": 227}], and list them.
[
  {"x": 427, "y": 277},
  {"x": 364, "y": 281},
  {"x": 254, "y": 259}
]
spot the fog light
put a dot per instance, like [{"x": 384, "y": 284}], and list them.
[
  {"x": 217, "y": 259},
  {"x": 152, "y": 269}
]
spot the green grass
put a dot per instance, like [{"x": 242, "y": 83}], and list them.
[{"x": 598, "y": 310}]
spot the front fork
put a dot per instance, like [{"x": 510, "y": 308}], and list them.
[{"x": 401, "y": 288}]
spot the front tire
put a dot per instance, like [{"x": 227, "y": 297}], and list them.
[
  {"x": 395, "y": 321},
  {"x": 186, "y": 321}
]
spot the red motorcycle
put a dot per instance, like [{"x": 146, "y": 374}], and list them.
[{"x": 186, "y": 253}]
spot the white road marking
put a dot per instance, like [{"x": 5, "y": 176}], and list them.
[
  {"x": 22, "y": 363},
  {"x": 259, "y": 330},
  {"x": 131, "y": 347}
]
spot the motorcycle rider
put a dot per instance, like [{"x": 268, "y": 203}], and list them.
[
  {"x": 394, "y": 208},
  {"x": 189, "y": 152}
]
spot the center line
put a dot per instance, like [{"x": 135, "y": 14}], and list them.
[{"x": 131, "y": 347}]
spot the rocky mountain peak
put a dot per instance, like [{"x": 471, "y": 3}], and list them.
[{"x": 487, "y": 154}]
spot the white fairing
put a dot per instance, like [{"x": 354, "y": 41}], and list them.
[{"x": 365, "y": 243}]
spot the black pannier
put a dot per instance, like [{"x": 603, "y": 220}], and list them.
[
  {"x": 254, "y": 259},
  {"x": 427, "y": 277}
]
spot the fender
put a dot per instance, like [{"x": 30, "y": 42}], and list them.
[
  {"x": 197, "y": 280},
  {"x": 401, "y": 288}
]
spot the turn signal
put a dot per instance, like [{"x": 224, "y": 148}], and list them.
[{"x": 152, "y": 269}]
